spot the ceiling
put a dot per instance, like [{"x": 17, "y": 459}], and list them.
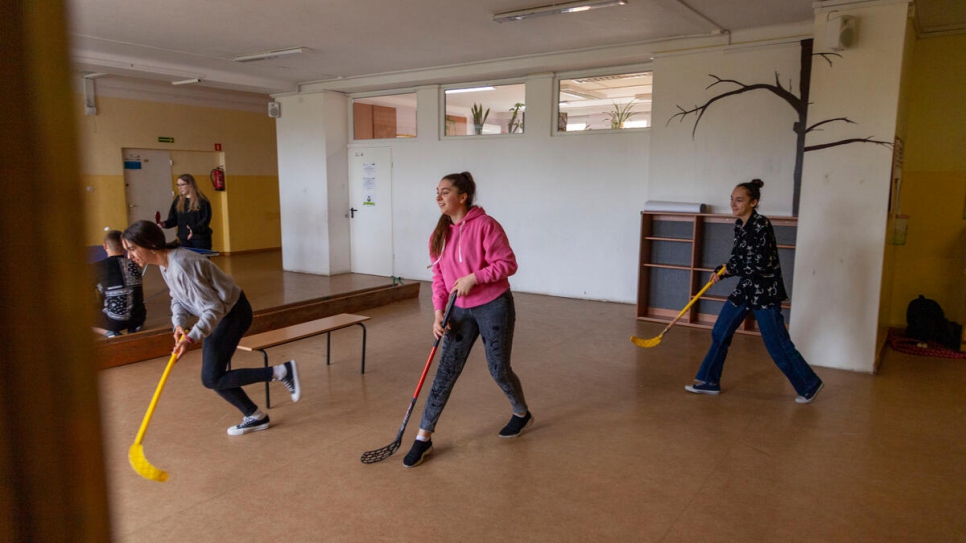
[{"x": 186, "y": 39}]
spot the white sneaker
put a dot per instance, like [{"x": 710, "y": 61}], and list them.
[
  {"x": 809, "y": 398},
  {"x": 250, "y": 424}
]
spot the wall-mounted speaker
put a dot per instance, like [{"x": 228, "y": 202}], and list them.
[
  {"x": 274, "y": 110},
  {"x": 840, "y": 33}
]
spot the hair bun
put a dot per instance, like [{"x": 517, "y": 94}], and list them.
[{"x": 758, "y": 183}]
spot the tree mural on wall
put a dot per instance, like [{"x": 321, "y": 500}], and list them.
[{"x": 799, "y": 104}]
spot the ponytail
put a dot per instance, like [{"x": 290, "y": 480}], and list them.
[{"x": 438, "y": 239}]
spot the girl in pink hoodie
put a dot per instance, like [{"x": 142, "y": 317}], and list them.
[{"x": 472, "y": 257}]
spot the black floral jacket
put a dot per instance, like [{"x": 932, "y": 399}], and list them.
[{"x": 754, "y": 258}]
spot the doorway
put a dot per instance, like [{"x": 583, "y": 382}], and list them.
[
  {"x": 370, "y": 211},
  {"x": 147, "y": 185}
]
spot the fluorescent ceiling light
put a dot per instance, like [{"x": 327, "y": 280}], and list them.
[
  {"x": 187, "y": 81},
  {"x": 94, "y": 75},
  {"x": 269, "y": 55},
  {"x": 555, "y": 9},
  {"x": 471, "y": 89}
]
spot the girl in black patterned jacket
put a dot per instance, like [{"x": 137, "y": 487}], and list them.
[{"x": 754, "y": 258}]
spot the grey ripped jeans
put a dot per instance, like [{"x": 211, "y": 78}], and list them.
[{"x": 493, "y": 321}]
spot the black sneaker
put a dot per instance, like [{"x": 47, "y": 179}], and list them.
[
  {"x": 516, "y": 425},
  {"x": 291, "y": 380},
  {"x": 418, "y": 453},
  {"x": 250, "y": 424},
  {"x": 703, "y": 388}
]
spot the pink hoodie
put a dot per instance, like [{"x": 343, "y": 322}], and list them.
[{"x": 478, "y": 245}]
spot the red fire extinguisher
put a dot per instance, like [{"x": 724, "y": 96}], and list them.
[{"x": 218, "y": 178}]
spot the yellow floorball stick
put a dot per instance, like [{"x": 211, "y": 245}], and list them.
[
  {"x": 647, "y": 343},
  {"x": 136, "y": 453}
]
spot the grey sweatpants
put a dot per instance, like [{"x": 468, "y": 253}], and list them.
[{"x": 494, "y": 321}]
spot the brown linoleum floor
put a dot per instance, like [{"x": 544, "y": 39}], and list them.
[{"x": 618, "y": 451}]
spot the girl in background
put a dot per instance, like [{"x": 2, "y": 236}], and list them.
[{"x": 191, "y": 213}]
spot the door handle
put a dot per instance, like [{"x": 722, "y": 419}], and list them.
[
  {"x": 352, "y": 212},
  {"x": 131, "y": 205}
]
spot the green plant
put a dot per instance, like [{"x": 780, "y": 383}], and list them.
[
  {"x": 479, "y": 117},
  {"x": 516, "y": 122},
  {"x": 621, "y": 114}
]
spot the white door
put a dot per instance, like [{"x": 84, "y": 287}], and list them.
[
  {"x": 370, "y": 211},
  {"x": 147, "y": 185}
]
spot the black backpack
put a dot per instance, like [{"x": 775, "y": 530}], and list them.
[{"x": 927, "y": 322}]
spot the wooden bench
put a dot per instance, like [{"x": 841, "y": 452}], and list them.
[{"x": 288, "y": 334}]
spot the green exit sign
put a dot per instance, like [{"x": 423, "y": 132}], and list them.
[{"x": 165, "y": 139}]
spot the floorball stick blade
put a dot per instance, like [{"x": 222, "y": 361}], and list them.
[
  {"x": 378, "y": 455},
  {"x": 144, "y": 468},
  {"x": 646, "y": 343}
]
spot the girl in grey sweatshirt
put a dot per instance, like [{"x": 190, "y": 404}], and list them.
[{"x": 200, "y": 289}]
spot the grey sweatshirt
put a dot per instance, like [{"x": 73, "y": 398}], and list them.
[{"x": 199, "y": 288}]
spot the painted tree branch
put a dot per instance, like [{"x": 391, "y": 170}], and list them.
[
  {"x": 816, "y": 125},
  {"x": 699, "y": 111},
  {"x": 845, "y": 142},
  {"x": 826, "y": 56}
]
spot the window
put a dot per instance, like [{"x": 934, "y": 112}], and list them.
[
  {"x": 484, "y": 110},
  {"x": 605, "y": 102},
  {"x": 381, "y": 117}
]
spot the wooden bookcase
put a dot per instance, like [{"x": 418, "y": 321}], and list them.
[{"x": 678, "y": 253}]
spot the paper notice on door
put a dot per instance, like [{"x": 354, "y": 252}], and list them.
[{"x": 369, "y": 183}]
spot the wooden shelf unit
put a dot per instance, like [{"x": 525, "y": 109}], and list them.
[{"x": 678, "y": 253}]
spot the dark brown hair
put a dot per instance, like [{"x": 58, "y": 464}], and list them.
[
  {"x": 753, "y": 187},
  {"x": 113, "y": 240},
  {"x": 198, "y": 195},
  {"x": 145, "y": 234},
  {"x": 464, "y": 184}
]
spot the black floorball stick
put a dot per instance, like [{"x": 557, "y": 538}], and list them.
[{"x": 378, "y": 455}]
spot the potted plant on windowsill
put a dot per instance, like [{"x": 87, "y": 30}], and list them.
[
  {"x": 621, "y": 114},
  {"x": 479, "y": 117},
  {"x": 516, "y": 120}
]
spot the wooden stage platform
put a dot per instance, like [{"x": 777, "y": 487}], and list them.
[{"x": 279, "y": 298}]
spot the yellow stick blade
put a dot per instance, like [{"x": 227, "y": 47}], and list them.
[
  {"x": 144, "y": 468},
  {"x": 646, "y": 343}
]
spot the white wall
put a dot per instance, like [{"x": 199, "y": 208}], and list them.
[
  {"x": 845, "y": 193},
  {"x": 336, "y": 107},
  {"x": 739, "y": 137},
  {"x": 570, "y": 204},
  {"x": 312, "y": 171}
]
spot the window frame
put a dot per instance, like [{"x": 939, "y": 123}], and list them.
[
  {"x": 378, "y": 94},
  {"x": 471, "y": 84},
  {"x": 598, "y": 72}
]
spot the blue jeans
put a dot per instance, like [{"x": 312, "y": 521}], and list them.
[
  {"x": 216, "y": 351},
  {"x": 494, "y": 321},
  {"x": 777, "y": 341}
]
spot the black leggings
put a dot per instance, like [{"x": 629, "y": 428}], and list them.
[{"x": 216, "y": 351}]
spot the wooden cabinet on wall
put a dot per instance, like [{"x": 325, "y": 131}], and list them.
[
  {"x": 678, "y": 253},
  {"x": 370, "y": 121}
]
